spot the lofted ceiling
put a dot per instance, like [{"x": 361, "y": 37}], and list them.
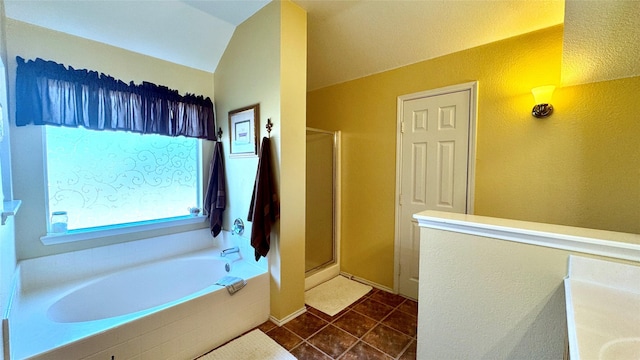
[
  {"x": 347, "y": 39},
  {"x": 352, "y": 39},
  {"x": 193, "y": 33}
]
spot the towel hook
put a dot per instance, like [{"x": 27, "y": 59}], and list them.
[
  {"x": 219, "y": 134},
  {"x": 269, "y": 126}
]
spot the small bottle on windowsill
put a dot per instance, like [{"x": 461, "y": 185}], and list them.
[{"x": 59, "y": 221}]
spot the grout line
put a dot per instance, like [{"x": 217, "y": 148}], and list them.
[
  {"x": 377, "y": 323},
  {"x": 406, "y": 348},
  {"x": 380, "y": 322},
  {"x": 322, "y": 352}
]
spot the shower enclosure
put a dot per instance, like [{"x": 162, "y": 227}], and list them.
[{"x": 321, "y": 246}]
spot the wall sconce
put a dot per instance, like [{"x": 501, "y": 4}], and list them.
[{"x": 542, "y": 96}]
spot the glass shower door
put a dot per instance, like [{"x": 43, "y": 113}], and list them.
[{"x": 320, "y": 214}]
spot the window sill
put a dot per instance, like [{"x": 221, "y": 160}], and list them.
[{"x": 92, "y": 233}]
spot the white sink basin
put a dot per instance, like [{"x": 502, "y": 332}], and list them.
[
  {"x": 603, "y": 310},
  {"x": 628, "y": 348}
]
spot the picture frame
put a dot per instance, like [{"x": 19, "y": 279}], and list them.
[{"x": 243, "y": 131}]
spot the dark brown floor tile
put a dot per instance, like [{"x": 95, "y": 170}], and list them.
[
  {"x": 326, "y": 317},
  {"x": 388, "y": 340},
  {"x": 266, "y": 326},
  {"x": 332, "y": 341},
  {"x": 363, "y": 351},
  {"x": 342, "y": 312},
  {"x": 320, "y": 314},
  {"x": 361, "y": 299},
  {"x": 305, "y": 351},
  {"x": 387, "y": 298},
  {"x": 410, "y": 353},
  {"x": 373, "y": 309},
  {"x": 410, "y": 307},
  {"x": 371, "y": 292},
  {"x": 355, "y": 323},
  {"x": 305, "y": 325},
  {"x": 284, "y": 337},
  {"x": 402, "y": 322}
]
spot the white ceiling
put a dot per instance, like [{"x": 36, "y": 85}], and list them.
[
  {"x": 352, "y": 39},
  {"x": 193, "y": 33},
  {"x": 347, "y": 39}
]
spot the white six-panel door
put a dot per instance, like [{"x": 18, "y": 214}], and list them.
[{"x": 433, "y": 173}]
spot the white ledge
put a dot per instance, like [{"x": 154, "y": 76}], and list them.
[
  {"x": 9, "y": 208},
  {"x": 92, "y": 233},
  {"x": 589, "y": 241}
]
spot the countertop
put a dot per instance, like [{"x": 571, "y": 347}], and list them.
[{"x": 603, "y": 309}]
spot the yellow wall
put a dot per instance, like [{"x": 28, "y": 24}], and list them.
[
  {"x": 289, "y": 296},
  {"x": 601, "y": 41},
  {"x": 265, "y": 63},
  {"x": 580, "y": 167},
  {"x": 31, "y": 42}
]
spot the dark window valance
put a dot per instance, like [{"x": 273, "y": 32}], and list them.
[{"x": 47, "y": 93}]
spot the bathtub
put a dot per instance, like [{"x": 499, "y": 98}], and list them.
[{"x": 153, "y": 304}]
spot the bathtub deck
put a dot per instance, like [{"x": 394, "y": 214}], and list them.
[{"x": 193, "y": 320}]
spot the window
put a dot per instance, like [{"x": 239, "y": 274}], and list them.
[{"x": 103, "y": 178}]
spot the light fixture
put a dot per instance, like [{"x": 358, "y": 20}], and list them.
[{"x": 542, "y": 96}]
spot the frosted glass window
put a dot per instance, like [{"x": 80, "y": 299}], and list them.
[{"x": 103, "y": 178}]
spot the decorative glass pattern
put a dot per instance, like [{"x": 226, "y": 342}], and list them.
[{"x": 105, "y": 178}]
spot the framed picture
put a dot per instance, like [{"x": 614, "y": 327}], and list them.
[{"x": 243, "y": 131}]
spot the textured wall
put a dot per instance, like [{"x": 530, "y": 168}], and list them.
[
  {"x": 580, "y": 167},
  {"x": 289, "y": 296},
  {"x": 601, "y": 41},
  {"x": 493, "y": 299},
  {"x": 265, "y": 63}
]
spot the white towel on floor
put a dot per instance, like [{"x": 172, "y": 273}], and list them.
[
  {"x": 335, "y": 295},
  {"x": 255, "y": 345}
]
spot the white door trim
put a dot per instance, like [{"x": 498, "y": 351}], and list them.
[{"x": 473, "y": 118}]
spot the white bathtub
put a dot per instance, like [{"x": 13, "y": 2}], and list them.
[{"x": 165, "y": 306}]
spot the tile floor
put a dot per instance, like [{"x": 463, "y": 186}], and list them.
[{"x": 380, "y": 325}]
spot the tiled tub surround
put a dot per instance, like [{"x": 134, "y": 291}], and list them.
[
  {"x": 603, "y": 309},
  {"x": 187, "y": 324}
]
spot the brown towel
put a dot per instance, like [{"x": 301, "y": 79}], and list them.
[
  {"x": 264, "y": 207},
  {"x": 215, "y": 201}
]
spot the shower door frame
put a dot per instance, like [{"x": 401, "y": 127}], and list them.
[{"x": 328, "y": 271}]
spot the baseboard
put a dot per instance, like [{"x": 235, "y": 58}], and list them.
[
  {"x": 287, "y": 318},
  {"x": 365, "y": 281}
]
